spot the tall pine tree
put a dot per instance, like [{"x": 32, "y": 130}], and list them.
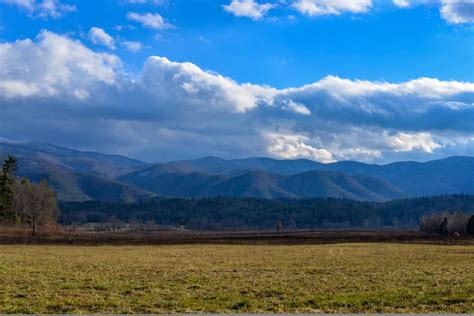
[{"x": 6, "y": 189}]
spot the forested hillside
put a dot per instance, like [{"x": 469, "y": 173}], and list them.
[{"x": 250, "y": 213}]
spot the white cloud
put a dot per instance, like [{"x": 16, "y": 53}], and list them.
[
  {"x": 25, "y": 4},
  {"x": 331, "y": 7},
  {"x": 52, "y": 66},
  {"x": 402, "y": 3},
  {"x": 297, "y": 108},
  {"x": 55, "y": 8},
  {"x": 357, "y": 153},
  {"x": 423, "y": 87},
  {"x": 290, "y": 146},
  {"x": 186, "y": 81},
  {"x": 409, "y": 142},
  {"x": 176, "y": 110},
  {"x": 80, "y": 94},
  {"x": 248, "y": 8},
  {"x": 44, "y": 8},
  {"x": 453, "y": 11},
  {"x": 458, "y": 11},
  {"x": 154, "y": 2},
  {"x": 132, "y": 46},
  {"x": 150, "y": 20},
  {"x": 100, "y": 37}
]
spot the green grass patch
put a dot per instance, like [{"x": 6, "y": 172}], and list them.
[{"x": 230, "y": 278}]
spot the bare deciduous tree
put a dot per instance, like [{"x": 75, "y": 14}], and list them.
[
  {"x": 115, "y": 223},
  {"x": 34, "y": 204},
  {"x": 458, "y": 223},
  {"x": 432, "y": 223}
]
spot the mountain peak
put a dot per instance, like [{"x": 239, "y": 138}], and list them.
[{"x": 212, "y": 158}]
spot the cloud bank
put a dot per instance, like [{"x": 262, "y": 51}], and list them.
[{"x": 55, "y": 89}]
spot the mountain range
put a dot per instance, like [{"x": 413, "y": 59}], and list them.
[{"x": 81, "y": 176}]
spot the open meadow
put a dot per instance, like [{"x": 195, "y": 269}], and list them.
[{"x": 361, "y": 277}]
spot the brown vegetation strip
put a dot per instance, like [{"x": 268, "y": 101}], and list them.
[{"x": 193, "y": 237}]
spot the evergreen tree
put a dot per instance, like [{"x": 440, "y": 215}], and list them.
[
  {"x": 443, "y": 228},
  {"x": 470, "y": 226},
  {"x": 6, "y": 189}
]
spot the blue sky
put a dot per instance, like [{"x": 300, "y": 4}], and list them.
[
  {"x": 284, "y": 48},
  {"x": 376, "y": 81}
]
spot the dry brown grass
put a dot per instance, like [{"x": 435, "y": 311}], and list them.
[{"x": 237, "y": 278}]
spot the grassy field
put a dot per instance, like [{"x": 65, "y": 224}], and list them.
[{"x": 230, "y": 278}]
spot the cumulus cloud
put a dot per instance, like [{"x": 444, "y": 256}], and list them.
[
  {"x": 409, "y": 142},
  {"x": 169, "y": 110},
  {"x": 248, "y": 8},
  {"x": 44, "y": 8},
  {"x": 291, "y": 146},
  {"x": 155, "y": 2},
  {"x": 458, "y": 11},
  {"x": 453, "y": 11},
  {"x": 100, "y": 37},
  {"x": 150, "y": 20},
  {"x": 331, "y": 7},
  {"x": 54, "y": 65},
  {"x": 186, "y": 81},
  {"x": 401, "y": 3},
  {"x": 132, "y": 46}
]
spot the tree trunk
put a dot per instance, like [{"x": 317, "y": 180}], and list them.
[{"x": 34, "y": 225}]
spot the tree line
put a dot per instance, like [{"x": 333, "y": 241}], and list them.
[
  {"x": 448, "y": 223},
  {"x": 34, "y": 205},
  {"x": 23, "y": 202},
  {"x": 224, "y": 213}
]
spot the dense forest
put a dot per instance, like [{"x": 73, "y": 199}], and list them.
[{"x": 222, "y": 213}]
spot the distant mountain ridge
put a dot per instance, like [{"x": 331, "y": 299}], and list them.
[
  {"x": 70, "y": 185},
  {"x": 443, "y": 176},
  {"x": 80, "y": 175},
  {"x": 75, "y": 175},
  {"x": 261, "y": 184},
  {"x": 103, "y": 165}
]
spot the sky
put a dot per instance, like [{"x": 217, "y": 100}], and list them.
[{"x": 328, "y": 80}]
